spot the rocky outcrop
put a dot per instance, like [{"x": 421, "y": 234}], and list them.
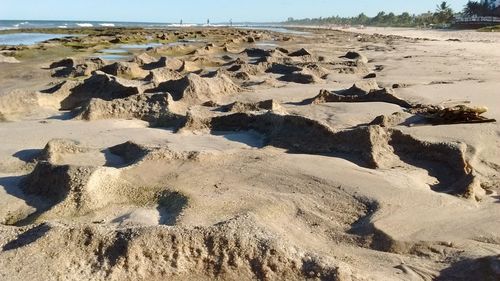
[
  {"x": 300, "y": 53},
  {"x": 356, "y": 56},
  {"x": 70, "y": 67},
  {"x": 241, "y": 107},
  {"x": 368, "y": 146},
  {"x": 163, "y": 74},
  {"x": 302, "y": 77},
  {"x": 193, "y": 88},
  {"x": 153, "y": 108},
  {"x": 100, "y": 85},
  {"x": 57, "y": 148},
  {"x": 128, "y": 70}
]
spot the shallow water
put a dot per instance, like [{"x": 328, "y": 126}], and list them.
[
  {"x": 28, "y": 38},
  {"x": 276, "y": 29},
  {"x": 266, "y": 45},
  {"x": 140, "y": 46},
  {"x": 114, "y": 51},
  {"x": 123, "y": 52},
  {"x": 112, "y": 57}
]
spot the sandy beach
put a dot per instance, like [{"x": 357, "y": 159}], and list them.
[{"x": 224, "y": 154}]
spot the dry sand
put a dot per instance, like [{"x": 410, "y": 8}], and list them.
[{"x": 227, "y": 160}]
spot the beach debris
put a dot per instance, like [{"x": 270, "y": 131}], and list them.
[
  {"x": 363, "y": 91},
  {"x": 440, "y": 115}
]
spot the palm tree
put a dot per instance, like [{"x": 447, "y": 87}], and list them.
[
  {"x": 481, "y": 9},
  {"x": 472, "y": 8},
  {"x": 444, "y": 13}
]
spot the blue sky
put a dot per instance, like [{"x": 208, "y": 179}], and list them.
[{"x": 197, "y": 11}]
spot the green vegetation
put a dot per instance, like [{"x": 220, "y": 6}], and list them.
[
  {"x": 41, "y": 54},
  {"x": 484, "y": 8},
  {"x": 443, "y": 16},
  {"x": 86, "y": 45},
  {"x": 495, "y": 28}
]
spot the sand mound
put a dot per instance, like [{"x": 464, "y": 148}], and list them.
[
  {"x": 252, "y": 69},
  {"x": 58, "y": 183},
  {"x": 355, "y": 56},
  {"x": 349, "y": 67},
  {"x": 241, "y": 107},
  {"x": 368, "y": 146},
  {"x": 242, "y": 75},
  {"x": 57, "y": 148},
  {"x": 234, "y": 249},
  {"x": 364, "y": 91},
  {"x": 144, "y": 59},
  {"x": 128, "y": 70},
  {"x": 53, "y": 96},
  {"x": 317, "y": 70},
  {"x": 300, "y": 53},
  {"x": 164, "y": 62},
  {"x": 159, "y": 75},
  {"x": 193, "y": 88},
  {"x": 76, "y": 67},
  {"x": 66, "y": 62},
  {"x": 446, "y": 161},
  {"x": 133, "y": 153},
  {"x": 18, "y": 103},
  {"x": 190, "y": 67},
  {"x": 208, "y": 49},
  {"x": 204, "y": 62},
  {"x": 153, "y": 108},
  {"x": 485, "y": 268},
  {"x": 100, "y": 85},
  {"x": 304, "y": 76},
  {"x": 176, "y": 50},
  {"x": 129, "y": 151},
  {"x": 76, "y": 190},
  {"x": 256, "y": 52},
  {"x": 279, "y": 68},
  {"x": 392, "y": 120},
  {"x": 4, "y": 59}
]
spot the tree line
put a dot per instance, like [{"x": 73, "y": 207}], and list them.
[
  {"x": 485, "y": 8},
  {"x": 442, "y": 16}
]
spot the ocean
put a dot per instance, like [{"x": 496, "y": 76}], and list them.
[
  {"x": 22, "y": 24},
  {"x": 18, "y": 24},
  {"x": 33, "y": 38}
]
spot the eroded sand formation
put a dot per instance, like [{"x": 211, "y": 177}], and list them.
[{"x": 241, "y": 169}]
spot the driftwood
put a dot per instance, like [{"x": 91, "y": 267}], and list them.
[{"x": 458, "y": 114}]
